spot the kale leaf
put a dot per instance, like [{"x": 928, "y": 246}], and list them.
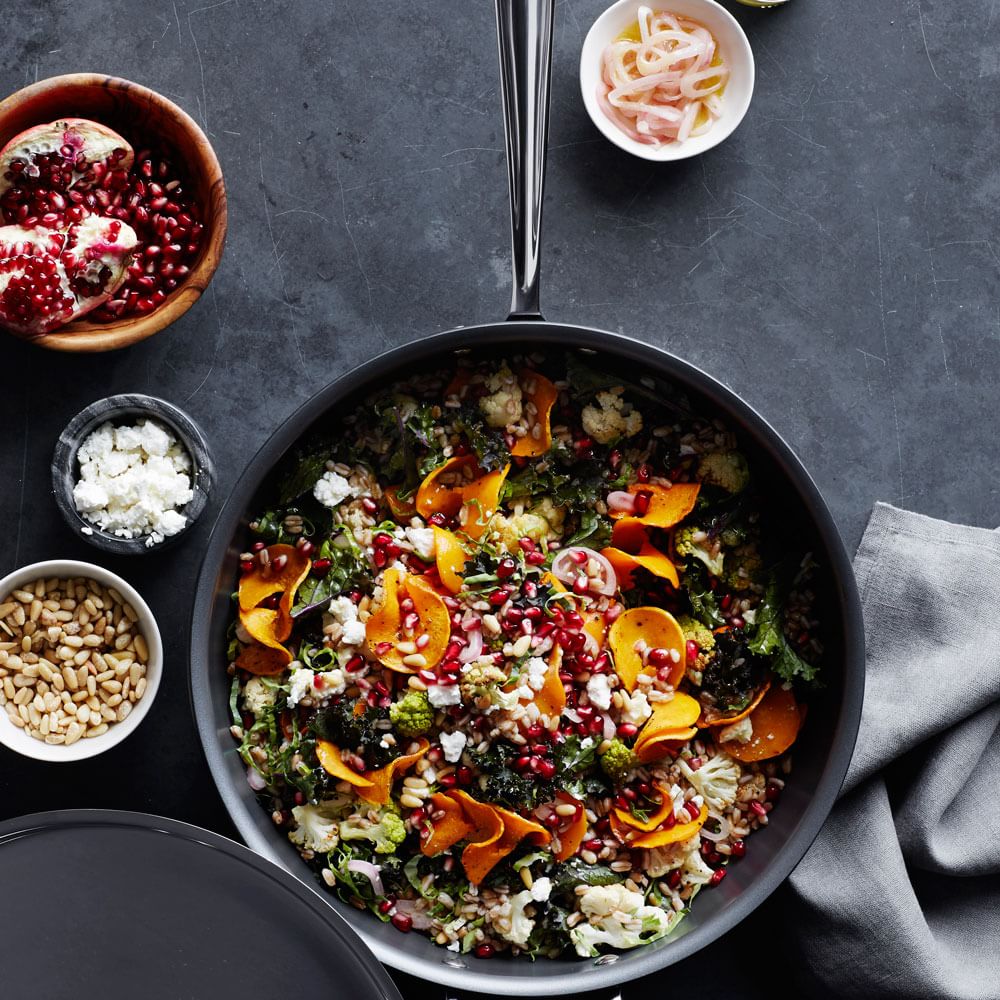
[{"x": 769, "y": 639}]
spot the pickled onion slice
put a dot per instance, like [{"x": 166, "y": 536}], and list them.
[{"x": 667, "y": 86}]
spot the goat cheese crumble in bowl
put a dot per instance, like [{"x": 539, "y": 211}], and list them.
[{"x": 131, "y": 473}]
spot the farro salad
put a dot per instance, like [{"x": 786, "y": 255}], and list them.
[{"x": 518, "y": 656}]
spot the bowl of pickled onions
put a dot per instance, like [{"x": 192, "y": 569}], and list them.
[{"x": 666, "y": 82}]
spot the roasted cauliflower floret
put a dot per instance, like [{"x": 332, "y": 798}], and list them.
[
  {"x": 611, "y": 418},
  {"x": 502, "y": 405}
]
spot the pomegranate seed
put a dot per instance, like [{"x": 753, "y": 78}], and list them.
[
  {"x": 643, "y": 473},
  {"x": 506, "y": 568},
  {"x": 674, "y": 878},
  {"x": 385, "y": 906},
  {"x": 247, "y": 565},
  {"x": 305, "y": 546},
  {"x": 535, "y": 558},
  {"x": 447, "y": 781},
  {"x": 534, "y": 731},
  {"x": 369, "y": 505},
  {"x": 523, "y": 763},
  {"x": 739, "y": 848},
  {"x": 382, "y": 648},
  {"x": 402, "y": 922},
  {"x": 641, "y": 502},
  {"x": 627, "y": 731},
  {"x": 659, "y": 657},
  {"x": 726, "y": 601},
  {"x": 612, "y": 614},
  {"x": 614, "y": 459},
  {"x": 321, "y": 567},
  {"x": 772, "y": 792},
  {"x": 693, "y": 811},
  {"x": 485, "y": 950},
  {"x": 546, "y": 768},
  {"x": 552, "y": 820},
  {"x": 594, "y": 844},
  {"x": 380, "y": 558},
  {"x": 581, "y": 584},
  {"x": 758, "y": 808},
  {"x": 437, "y": 519},
  {"x": 464, "y": 775},
  {"x": 717, "y": 876},
  {"x": 526, "y": 544},
  {"x": 737, "y": 622},
  {"x": 692, "y": 650},
  {"x": 354, "y": 664},
  {"x": 498, "y": 597}
]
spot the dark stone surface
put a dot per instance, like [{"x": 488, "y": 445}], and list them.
[{"x": 833, "y": 262}]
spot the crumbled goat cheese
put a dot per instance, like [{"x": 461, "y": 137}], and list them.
[
  {"x": 329, "y": 683},
  {"x": 453, "y": 744},
  {"x": 422, "y": 540},
  {"x": 599, "y": 691},
  {"x": 332, "y": 489},
  {"x": 132, "y": 480},
  {"x": 344, "y": 611},
  {"x": 300, "y": 683},
  {"x": 443, "y": 695},
  {"x": 537, "y": 668},
  {"x": 541, "y": 889}
]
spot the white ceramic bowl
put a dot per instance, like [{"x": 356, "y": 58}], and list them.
[
  {"x": 736, "y": 54},
  {"x": 18, "y": 739}
]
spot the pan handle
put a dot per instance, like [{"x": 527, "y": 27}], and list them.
[{"x": 524, "y": 34}]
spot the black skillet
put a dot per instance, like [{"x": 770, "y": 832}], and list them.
[{"x": 821, "y": 754}]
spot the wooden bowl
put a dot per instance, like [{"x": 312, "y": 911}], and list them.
[{"x": 137, "y": 113}]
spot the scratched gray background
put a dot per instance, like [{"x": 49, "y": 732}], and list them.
[{"x": 834, "y": 262}]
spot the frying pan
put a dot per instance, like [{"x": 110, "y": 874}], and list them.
[{"x": 824, "y": 748}]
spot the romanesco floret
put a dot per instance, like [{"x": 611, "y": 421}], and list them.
[
  {"x": 617, "y": 761},
  {"x": 726, "y": 469},
  {"x": 611, "y": 418},
  {"x": 717, "y": 780},
  {"x": 316, "y": 826},
  {"x": 412, "y": 715},
  {"x": 744, "y": 568},
  {"x": 502, "y": 404},
  {"x": 383, "y": 826},
  {"x": 696, "y": 542},
  {"x": 617, "y": 917},
  {"x": 480, "y": 680},
  {"x": 702, "y": 637}
]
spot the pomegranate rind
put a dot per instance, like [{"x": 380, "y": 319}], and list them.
[
  {"x": 96, "y": 141},
  {"x": 81, "y": 267}
]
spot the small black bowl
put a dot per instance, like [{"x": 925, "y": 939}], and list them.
[{"x": 118, "y": 409}]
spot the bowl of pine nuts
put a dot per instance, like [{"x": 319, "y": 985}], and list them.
[{"x": 80, "y": 660}]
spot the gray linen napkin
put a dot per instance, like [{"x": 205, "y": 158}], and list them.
[{"x": 899, "y": 896}]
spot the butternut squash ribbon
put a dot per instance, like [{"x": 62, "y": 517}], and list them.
[
  {"x": 384, "y": 629},
  {"x": 492, "y": 832},
  {"x": 655, "y": 629},
  {"x": 284, "y": 572},
  {"x": 542, "y": 394},
  {"x": 630, "y": 547},
  {"x": 372, "y": 786},
  {"x": 776, "y": 722}
]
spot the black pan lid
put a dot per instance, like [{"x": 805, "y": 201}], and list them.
[{"x": 110, "y": 904}]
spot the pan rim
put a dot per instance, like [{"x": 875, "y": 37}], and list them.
[{"x": 530, "y": 978}]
